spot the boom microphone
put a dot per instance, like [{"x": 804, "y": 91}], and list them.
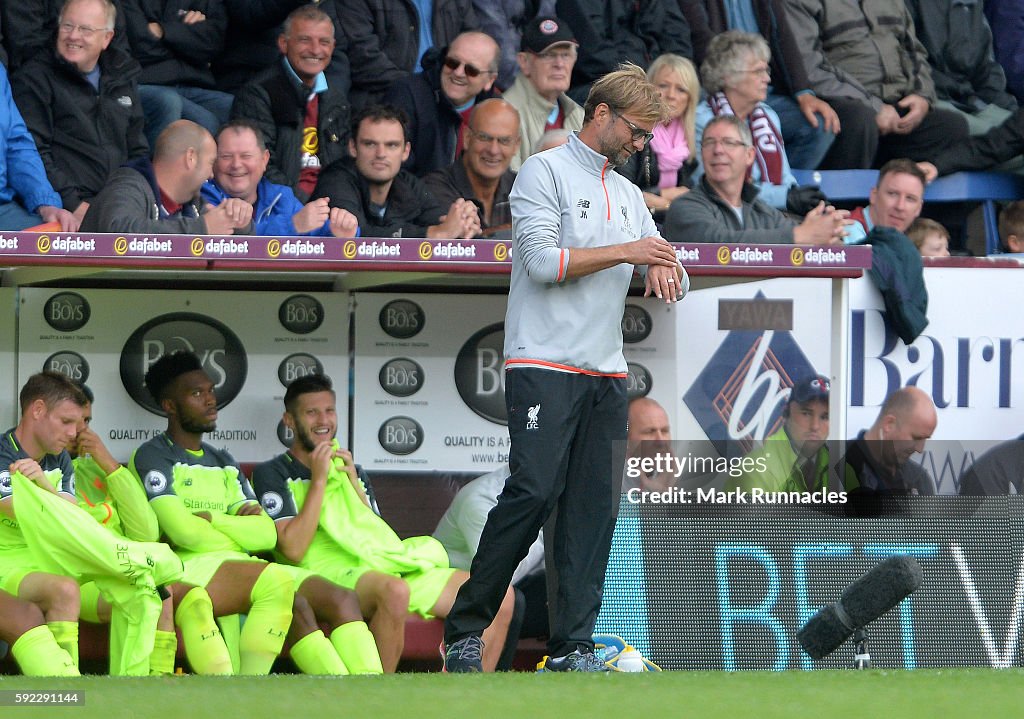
[{"x": 882, "y": 588}]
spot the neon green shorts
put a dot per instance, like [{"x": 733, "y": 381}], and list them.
[
  {"x": 90, "y": 603},
  {"x": 425, "y": 586},
  {"x": 15, "y": 565},
  {"x": 298, "y": 574}
]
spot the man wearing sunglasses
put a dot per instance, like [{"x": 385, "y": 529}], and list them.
[
  {"x": 439, "y": 100},
  {"x": 580, "y": 229},
  {"x": 482, "y": 174},
  {"x": 389, "y": 38}
]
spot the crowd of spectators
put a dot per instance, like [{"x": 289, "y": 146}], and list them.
[{"x": 821, "y": 84}]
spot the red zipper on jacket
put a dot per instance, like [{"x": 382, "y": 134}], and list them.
[{"x": 607, "y": 202}]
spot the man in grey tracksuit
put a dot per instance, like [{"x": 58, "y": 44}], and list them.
[{"x": 579, "y": 230}]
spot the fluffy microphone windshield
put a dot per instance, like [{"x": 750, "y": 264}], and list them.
[{"x": 871, "y": 596}]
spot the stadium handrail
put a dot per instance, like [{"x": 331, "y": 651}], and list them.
[{"x": 303, "y": 254}]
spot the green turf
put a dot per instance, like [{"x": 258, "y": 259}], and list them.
[{"x": 929, "y": 694}]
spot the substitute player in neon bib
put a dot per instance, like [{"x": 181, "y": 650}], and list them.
[
  {"x": 206, "y": 508},
  {"x": 112, "y": 496},
  {"x": 325, "y": 523},
  {"x": 59, "y": 538}
]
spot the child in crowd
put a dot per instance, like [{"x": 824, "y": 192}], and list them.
[
  {"x": 1011, "y": 228},
  {"x": 929, "y": 237}
]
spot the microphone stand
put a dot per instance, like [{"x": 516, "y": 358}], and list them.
[{"x": 861, "y": 656}]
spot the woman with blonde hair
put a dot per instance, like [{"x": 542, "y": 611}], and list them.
[{"x": 664, "y": 167}]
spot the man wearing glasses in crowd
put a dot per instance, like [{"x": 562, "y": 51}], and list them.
[
  {"x": 81, "y": 105},
  {"x": 439, "y": 100},
  {"x": 579, "y": 230},
  {"x": 545, "y": 71},
  {"x": 724, "y": 206},
  {"x": 482, "y": 173}
]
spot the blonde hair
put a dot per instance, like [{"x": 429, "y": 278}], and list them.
[
  {"x": 922, "y": 227},
  {"x": 687, "y": 73},
  {"x": 626, "y": 88}
]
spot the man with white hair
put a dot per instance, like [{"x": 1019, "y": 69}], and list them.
[
  {"x": 81, "y": 105},
  {"x": 546, "y": 59},
  {"x": 724, "y": 207}
]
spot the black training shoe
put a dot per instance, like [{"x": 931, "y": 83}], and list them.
[
  {"x": 575, "y": 661},
  {"x": 463, "y": 656}
]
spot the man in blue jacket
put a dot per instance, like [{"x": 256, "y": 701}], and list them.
[{"x": 242, "y": 158}]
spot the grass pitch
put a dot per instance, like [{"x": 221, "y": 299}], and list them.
[{"x": 928, "y": 694}]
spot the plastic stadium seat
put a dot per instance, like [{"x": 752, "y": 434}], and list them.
[
  {"x": 983, "y": 187},
  {"x": 840, "y": 185}
]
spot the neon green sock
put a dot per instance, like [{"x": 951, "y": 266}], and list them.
[
  {"x": 267, "y": 623},
  {"x": 161, "y": 661},
  {"x": 39, "y": 655},
  {"x": 66, "y": 634},
  {"x": 354, "y": 644},
  {"x": 313, "y": 654},
  {"x": 204, "y": 644},
  {"x": 231, "y": 630}
]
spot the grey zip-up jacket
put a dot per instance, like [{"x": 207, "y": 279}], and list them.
[
  {"x": 701, "y": 215},
  {"x": 563, "y": 198}
]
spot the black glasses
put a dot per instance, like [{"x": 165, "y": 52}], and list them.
[
  {"x": 638, "y": 132},
  {"x": 471, "y": 70}
]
